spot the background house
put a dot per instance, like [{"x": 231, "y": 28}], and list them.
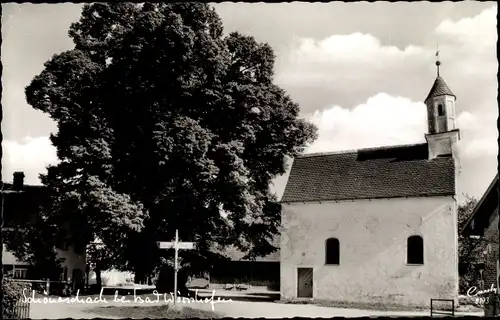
[
  {"x": 484, "y": 223},
  {"x": 12, "y": 266},
  {"x": 22, "y": 207}
]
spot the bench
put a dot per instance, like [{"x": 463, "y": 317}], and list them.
[{"x": 446, "y": 312}]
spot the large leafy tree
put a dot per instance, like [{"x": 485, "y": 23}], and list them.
[{"x": 164, "y": 122}]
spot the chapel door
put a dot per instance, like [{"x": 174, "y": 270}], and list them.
[{"x": 304, "y": 282}]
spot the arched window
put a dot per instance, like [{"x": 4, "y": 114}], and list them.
[
  {"x": 332, "y": 248},
  {"x": 440, "y": 110},
  {"x": 415, "y": 247}
]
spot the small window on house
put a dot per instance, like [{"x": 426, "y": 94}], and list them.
[
  {"x": 20, "y": 273},
  {"x": 440, "y": 110},
  {"x": 415, "y": 247},
  {"x": 332, "y": 247}
]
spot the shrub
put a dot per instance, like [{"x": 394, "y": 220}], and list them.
[{"x": 12, "y": 293}]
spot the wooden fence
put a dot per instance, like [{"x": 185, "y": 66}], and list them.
[{"x": 22, "y": 309}]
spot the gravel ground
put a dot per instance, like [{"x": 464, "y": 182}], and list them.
[{"x": 228, "y": 308}]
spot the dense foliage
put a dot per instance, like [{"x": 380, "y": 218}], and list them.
[
  {"x": 12, "y": 292},
  {"x": 164, "y": 122},
  {"x": 470, "y": 250}
]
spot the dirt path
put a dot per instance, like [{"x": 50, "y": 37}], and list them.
[{"x": 237, "y": 309}]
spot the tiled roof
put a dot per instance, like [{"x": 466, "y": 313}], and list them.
[
  {"x": 439, "y": 88},
  {"x": 387, "y": 172}
]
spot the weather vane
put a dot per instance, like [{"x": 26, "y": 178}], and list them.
[{"x": 438, "y": 63}]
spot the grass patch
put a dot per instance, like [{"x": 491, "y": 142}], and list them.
[
  {"x": 377, "y": 306},
  {"x": 154, "y": 312}
]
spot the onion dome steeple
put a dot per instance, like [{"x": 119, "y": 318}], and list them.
[
  {"x": 443, "y": 135},
  {"x": 440, "y": 88}
]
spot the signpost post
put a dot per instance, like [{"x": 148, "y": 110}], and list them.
[{"x": 176, "y": 245}]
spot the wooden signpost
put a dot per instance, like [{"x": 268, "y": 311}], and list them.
[{"x": 176, "y": 245}]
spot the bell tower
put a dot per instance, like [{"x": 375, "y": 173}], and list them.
[{"x": 443, "y": 135}]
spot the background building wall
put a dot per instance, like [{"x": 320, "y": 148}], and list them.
[
  {"x": 72, "y": 260},
  {"x": 9, "y": 259},
  {"x": 490, "y": 274},
  {"x": 373, "y": 239}
]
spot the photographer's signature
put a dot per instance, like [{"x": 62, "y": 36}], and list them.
[{"x": 481, "y": 295}]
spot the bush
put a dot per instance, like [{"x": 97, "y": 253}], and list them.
[
  {"x": 12, "y": 293},
  {"x": 492, "y": 305}
]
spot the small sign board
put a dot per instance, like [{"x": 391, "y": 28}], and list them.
[
  {"x": 165, "y": 245},
  {"x": 180, "y": 245},
  {"x": 186, "y": 245}
]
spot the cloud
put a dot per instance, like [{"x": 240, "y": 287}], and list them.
[
  {"x": 347, "y": 69},
  {"x": 384, "y": 120},
  {"x": 479, "y": 135},
  {"x": 31, "y": 156},
  {"x": 350, "y": 52},
  {"x": 477, "y": 29}
]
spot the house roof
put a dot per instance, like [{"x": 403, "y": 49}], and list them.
[
  {"x": 22, "y": 205},
  {"x": 385, "y": 172},
  {"x": 439, "y": 88},
  {"x": 9, "y": 188},
  {"x": 485, "y": 208}
]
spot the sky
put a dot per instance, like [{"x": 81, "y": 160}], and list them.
[{"x": 359, "y": 71}]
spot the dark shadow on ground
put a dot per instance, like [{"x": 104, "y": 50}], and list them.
[
  {"x": 153, "y": 312},
  {"x": 237, "y": 296}
]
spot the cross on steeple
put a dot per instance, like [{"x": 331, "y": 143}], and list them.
[{"x": 438, "y": 63}]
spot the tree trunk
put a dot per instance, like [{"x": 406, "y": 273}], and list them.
[
  {"x": 139, "y": 277},
  {"x": 98, "y": 278}
]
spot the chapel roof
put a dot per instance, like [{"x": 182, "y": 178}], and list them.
[
  {"x": 439, "y": 88},
  {"x": 384, "y": 172}
]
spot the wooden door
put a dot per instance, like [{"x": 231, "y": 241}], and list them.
[{"x": 304, "y": 282}]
